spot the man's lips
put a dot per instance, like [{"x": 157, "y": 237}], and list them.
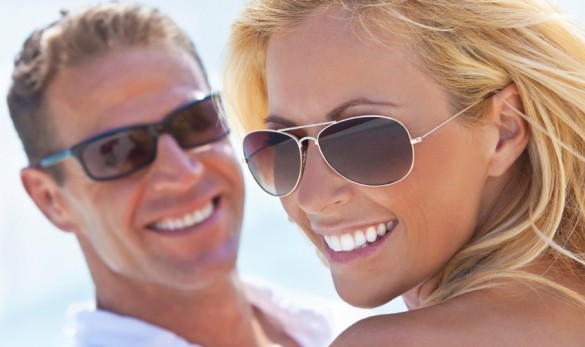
[{"x": 188, "y": 220}]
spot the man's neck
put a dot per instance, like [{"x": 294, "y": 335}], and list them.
[{"x": 217, "y": 314}]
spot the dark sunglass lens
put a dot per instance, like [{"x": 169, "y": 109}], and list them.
[
  {"x": 368, "y": 150},
  {"x": 274, "y": 160},
  {"x": 118, "y": 154},
  {"x": 198, "y": 124}
]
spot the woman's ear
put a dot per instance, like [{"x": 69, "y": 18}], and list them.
[
  {"x": 48, "y": 196},
  {"x": 513, "y": 130}
]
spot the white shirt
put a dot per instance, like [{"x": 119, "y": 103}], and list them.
[{"x": 309, "y": 320}]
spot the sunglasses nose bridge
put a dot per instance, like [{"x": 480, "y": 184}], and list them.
[
  {"x": 303, "y": 149},
  {"x": 300, "y": 141},
  {"x": 158, "y": 129},
  {"x": 163, "y": 127},
  {"x": 155, "y": 131}
]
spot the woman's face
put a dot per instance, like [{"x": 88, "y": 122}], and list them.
[{"x": 322, "y": 70}]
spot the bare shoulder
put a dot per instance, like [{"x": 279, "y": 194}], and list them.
[{"x": 527, "y": 317}]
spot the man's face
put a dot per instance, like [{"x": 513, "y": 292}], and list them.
[{"x": 175, "y": 222}]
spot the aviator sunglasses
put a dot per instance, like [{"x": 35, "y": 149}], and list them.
[
  {"x": 120, "y": 152},
  {"x": 369, "y": 150}
]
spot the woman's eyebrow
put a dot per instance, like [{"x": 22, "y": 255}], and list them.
[
  {"x": 272, "y": 118},
  {"x": 332, "y": 115},
  {"x": 337, "y": 112}
]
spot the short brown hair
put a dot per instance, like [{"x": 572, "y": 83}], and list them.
[{"x": 73, "y": 40}]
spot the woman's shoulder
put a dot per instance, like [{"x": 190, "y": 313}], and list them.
[{"x": 522, "y": 316}]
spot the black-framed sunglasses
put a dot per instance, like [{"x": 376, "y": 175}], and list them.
[
  {"x": 120, "y": 152},
  {"x": 369, "y": 150}
]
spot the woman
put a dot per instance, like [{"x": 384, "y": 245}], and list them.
[{"x": 429, "y": 149}]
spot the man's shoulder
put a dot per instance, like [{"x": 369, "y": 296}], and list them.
[
  {"x": 310, "y": 319},
  {"x": 89, "y": 326}
]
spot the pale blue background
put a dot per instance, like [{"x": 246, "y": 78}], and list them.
[{"x": 42, "y": 269}]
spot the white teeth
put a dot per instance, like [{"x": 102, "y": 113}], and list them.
[
  {"x": 347, "y": 242},
  {"x": 186, "y": 221},
  {"x": 333, "y": 242},
  {"x": 358, "y": 239},
  {"x": 371, "y": 234},
  {"x": 381, "y": 230},
  {"x": 336, "y": 243}
]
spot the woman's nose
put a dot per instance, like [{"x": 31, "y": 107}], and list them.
[{"x": 320, "y": 187}]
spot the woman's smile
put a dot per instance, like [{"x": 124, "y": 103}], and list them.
[{"x": 360, "y": 243}]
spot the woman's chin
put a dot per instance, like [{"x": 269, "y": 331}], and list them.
[{"x": 362, "y": 296}]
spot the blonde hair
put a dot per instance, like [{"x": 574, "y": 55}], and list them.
[
  {"x": 74, "y": 39},
  {"x": 471, "y": 48}
]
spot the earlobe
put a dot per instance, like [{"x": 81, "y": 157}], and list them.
[
  {"x": 513, "y": 130},
  {"x": 48, "y": 197}
]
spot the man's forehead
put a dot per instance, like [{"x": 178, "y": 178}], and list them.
[{"x": 128, "y": 86}]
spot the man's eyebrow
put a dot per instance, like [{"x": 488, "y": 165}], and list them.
[{"x": 332, "y": 115}]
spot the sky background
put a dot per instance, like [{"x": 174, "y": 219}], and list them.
[{"x": 42, "y": 269}]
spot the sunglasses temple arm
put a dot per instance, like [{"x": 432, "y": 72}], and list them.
[
  {"x": 420, "y": 138},
  {"x": 54, "y": 159}
]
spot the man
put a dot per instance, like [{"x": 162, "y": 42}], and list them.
[{"x": 129, "y": 152}]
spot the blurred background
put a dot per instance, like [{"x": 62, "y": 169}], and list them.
[{"x": 42, "y": 270}]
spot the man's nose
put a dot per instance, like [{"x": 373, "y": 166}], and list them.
[{"x": 173, "y": 167}]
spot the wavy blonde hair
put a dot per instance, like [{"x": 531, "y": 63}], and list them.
[{"x": 470, "y": 47}]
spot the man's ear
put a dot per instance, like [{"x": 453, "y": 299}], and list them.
[
  {"x": 513, "y": 130},
  {"x": 48, "y": 196}
]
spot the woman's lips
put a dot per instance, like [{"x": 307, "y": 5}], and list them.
[{"x": 361, "y": 242}]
